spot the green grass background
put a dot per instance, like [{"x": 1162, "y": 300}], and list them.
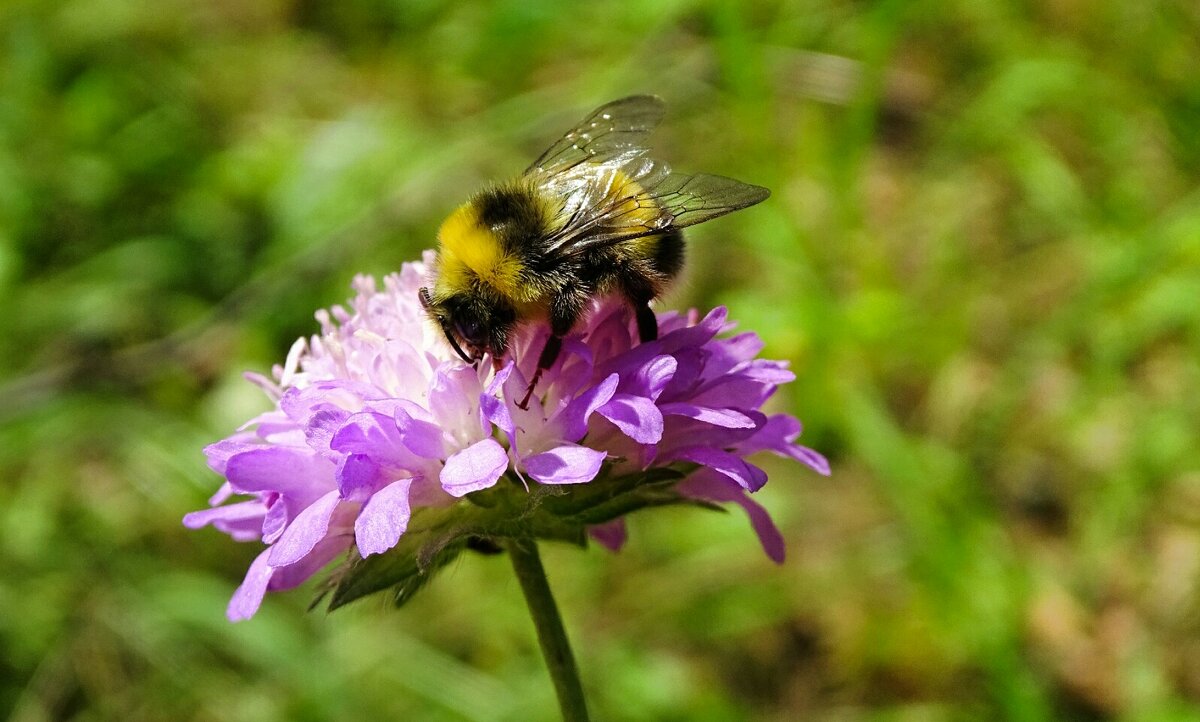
[{"x": 982, "y": 258}]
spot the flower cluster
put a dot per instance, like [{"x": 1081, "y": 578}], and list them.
[{"x": 376, "y": 419}]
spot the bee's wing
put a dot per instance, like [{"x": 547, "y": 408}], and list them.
[
  {"x": 690, "y": 199},
  {"x": 608, "y": 210},
  {"x": 616, "y": 129}
]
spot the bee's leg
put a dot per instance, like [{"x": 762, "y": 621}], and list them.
[
  {"x": 564, "y": 312},
  {"x": 639, "y": 291},
  {"x": 647, "y": 278},
  {"x": 647, "y": 322},
  {"x": 549, "y": 355}
]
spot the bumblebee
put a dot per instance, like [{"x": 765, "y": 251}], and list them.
[{"x": 595, "y": 214}]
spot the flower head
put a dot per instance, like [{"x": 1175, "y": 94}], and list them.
[{"x": 379, "y": 433}]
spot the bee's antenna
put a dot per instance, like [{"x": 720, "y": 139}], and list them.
[
  {"x": 427, "y": 304},
  {"x": 457, "y": 349}
]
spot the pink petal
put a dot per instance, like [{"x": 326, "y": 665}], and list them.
[
  {"x": 249, "y": 595},
  {"x": 767, "y": 371},
  {"x": 450, "y": 395},
  {"x": 243, "y": 510},
  {"x": 243, "y": 521},
  {"x": 383, "y": 518},
  {"x": 651, "y": 379},
  {"x": 321, "y": 426},
  {"x": 574, "y": 419},
  {"x": 569, "y": 464},
  {"x": 476, "y": 467},
  {"x": 777, "y": 435},
  {"x": 747, "y": 475},
  {"x": 497, "y": 383},
  {"x": 610, "y": 535},
  {"x": 219, "y": 454},
  {"x": 420, "y": 437},
  {"x": 358, "y": 476},
  {"x": 576, "y": 370},
  {"x": 294, "y": 575},
  {"x": 733, "y": 390},
  {"x": 275, "y": 522},
  {"x": 805, "y": 455},
  {"x": 609, "y": 336},
  {"x": 308, "y": 528},
  {"x": 725, "y": 418},
  {"x": 697, "y": 335},
  {"x": 269, "y": 387},
  {"x": 300, "y": 404},
  {"x": 494, "y": 409},
  {"x": 373, "y": 434},
  {"x": 707, "y": 485},
  {"x": 778, "y": 430},
  {"x": 729, "y": 352},
  {"x": 223, "y": 492},
  {"x": 636, "y": 416},
  {"x": 285, "y": 470}
]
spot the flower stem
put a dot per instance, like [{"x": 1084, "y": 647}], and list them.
[{"x": 551, "y": 636}]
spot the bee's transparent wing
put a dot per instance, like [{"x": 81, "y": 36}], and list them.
[
  {"x": 616, "y": 129},
  {"x": 612, "y": 210},
  {"x": 691, "y": 199},
  {"x": 612, "y": 190}
]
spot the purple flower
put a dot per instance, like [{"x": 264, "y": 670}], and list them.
[{"x": 377, "y": 422}]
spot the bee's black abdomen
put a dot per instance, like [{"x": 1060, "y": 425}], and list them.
[
  {"x": 639, "y": 269},
  {"x": 668, "y": 254}
]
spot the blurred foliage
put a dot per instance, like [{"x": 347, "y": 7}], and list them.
[{"x": 982, "y": 258}]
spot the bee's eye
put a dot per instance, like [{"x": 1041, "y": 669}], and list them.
[{"x": 471, "y": 331}]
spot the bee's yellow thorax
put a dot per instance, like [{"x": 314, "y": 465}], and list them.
[
  {"x": 467, "y": 247},
  {"x": 637, "y": 207}
]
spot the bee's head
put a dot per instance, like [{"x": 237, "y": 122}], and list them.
[{"x": 473, "y": 323}]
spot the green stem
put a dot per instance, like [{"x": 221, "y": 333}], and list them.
[{"x": 551, "y": 636}]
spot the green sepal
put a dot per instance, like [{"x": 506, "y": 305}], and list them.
[{"x": 436, "y": 536}]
